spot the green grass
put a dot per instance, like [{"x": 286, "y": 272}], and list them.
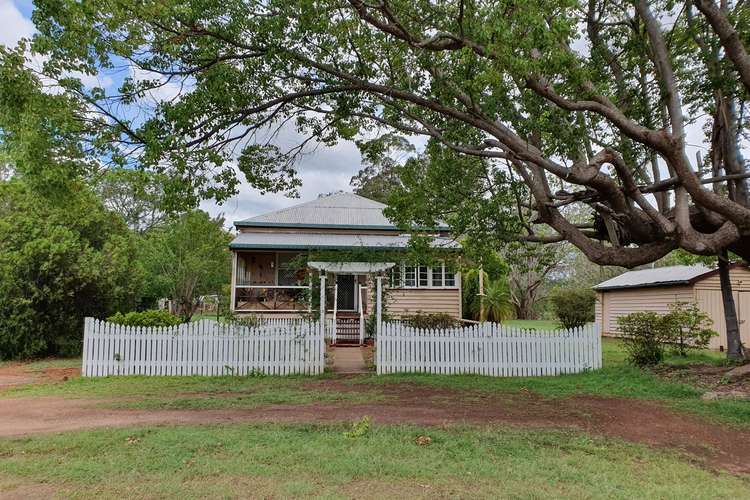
[
  {"x": 538, "y": 324},
  {"x": 319, "y": 461},
  {"x": 189, "y": 392}
]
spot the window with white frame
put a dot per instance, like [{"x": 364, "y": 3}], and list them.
[{"x": 440, "y": 275}]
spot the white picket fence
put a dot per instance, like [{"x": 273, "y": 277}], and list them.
[
  {"x": 488, "y": 349},
  {"x": 203, "y": 348}
]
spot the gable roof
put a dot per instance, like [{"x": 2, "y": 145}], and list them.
[
  {"x": 658, "y": 276},
  {"x": 338, "y": 210}
]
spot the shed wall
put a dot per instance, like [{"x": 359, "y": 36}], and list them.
[{"x": 616, "y": 303}]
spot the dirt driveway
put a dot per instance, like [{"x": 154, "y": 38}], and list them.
[{"x": 713, "y": 445}]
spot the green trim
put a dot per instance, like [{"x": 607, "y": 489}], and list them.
[{"x": 242, "y": 223}]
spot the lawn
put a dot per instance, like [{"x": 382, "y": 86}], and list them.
[
  {"x": 270, "y": 460},
  {"x": 274, "y": 461},
  {"x": 536, "y": 324}
]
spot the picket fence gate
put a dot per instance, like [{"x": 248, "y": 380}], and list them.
[
  {"x": 487, "y": 349},
  {"x": 203, "y": 347}
]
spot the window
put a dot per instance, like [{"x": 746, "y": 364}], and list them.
[
  {"x": 396, "y": 281},
  {"x": 438, "y": 276},
  {"x": 424, "y": 276},
  {"x": 450, "y": 275},
  {"x": 410, "y": 276}
]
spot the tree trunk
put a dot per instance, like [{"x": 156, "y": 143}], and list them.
[
  {"x": 524, "y": 308},
  {"x": 734, "y": 347}
]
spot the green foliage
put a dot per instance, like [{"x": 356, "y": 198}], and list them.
[
  {"x": 60, "y": 261},
  {"x": 430, "y": 320},
  {"x": 153, "y": 317},
  {"x": 573, "y": 307},
  {"x": 359, "y": 429},
  {"x": 689, "y": 327},
  {"x": 185, "y": 258},
  {"x": 379, "y": 176},
  {"x": 246, "y": 320},
  {"x": 648, "y": 334},
  {"x": 644, "y": 334},
  {"x": 497, "y": 301}
]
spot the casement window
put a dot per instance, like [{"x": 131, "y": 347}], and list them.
[
  {"x": 396, "y": 277},
  {"x": 410, "y": 276},
  {"x": 438, "y": 276}
]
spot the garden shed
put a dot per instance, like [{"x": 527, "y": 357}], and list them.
[{"x": 655, "y": 289}]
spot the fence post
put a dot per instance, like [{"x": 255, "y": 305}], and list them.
[{"x": 379, "y": 305}]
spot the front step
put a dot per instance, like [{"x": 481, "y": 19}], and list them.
[{"x": 347, "y": 330}]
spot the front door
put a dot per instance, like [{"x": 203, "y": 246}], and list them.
[{"x": 346, "y": 292}]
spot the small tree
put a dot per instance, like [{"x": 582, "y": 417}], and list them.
[
  {"x": 644, "y": 334},
  {"x": 574, "y": 307},
  {"x": 688, "y": 327},
  {"x": 187, "y": 258}
]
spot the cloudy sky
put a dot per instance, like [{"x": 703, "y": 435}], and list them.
[{"x": 323, "y": 170}]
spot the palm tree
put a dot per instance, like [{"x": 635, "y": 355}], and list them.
[{"x": 497, "y": 301}]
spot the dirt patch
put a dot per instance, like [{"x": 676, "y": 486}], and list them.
[
  {"x": 651, "y": 423},
  {"x": 704, "y": 378},
  {"x": 17, "y": 490},
  {"x": 14, "y": 374}
]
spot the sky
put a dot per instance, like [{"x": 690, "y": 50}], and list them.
[{"x": 324, "y": 170}]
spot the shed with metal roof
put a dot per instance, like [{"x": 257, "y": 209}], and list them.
[{"x": 656, "y": 289}]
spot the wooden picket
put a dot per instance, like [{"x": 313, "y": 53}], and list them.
[
  {"x": 488, "y": 349},
  {"x": 203, "y": 348}
]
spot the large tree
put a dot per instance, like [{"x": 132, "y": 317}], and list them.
[{"x": 584, "y": 102}]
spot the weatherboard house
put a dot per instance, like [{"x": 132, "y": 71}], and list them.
[{"x": 278, "y": 258}]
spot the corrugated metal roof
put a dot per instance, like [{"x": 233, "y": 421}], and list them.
[
  {"x": 304, "y": 241},
  {"x": 343, "y": 210},
  {"x": 658, "y": 276}
]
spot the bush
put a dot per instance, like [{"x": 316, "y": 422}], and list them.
[
  {"x": 648, "y": 334},
  {"x": 689, "y": 327},
  {"x": 644, "y": 335},
  {"x": 430, "y": 320},
  {"x": 246, "y": 320},
  {"x": 145, "y": 318},
  {"x": 574, "y": 307}
]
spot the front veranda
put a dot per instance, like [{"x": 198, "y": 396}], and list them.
[{"x": 284, "y": 285}]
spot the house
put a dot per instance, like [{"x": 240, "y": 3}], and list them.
[
  {"x": 277, "y": 259},
  {"x": 655, "y": 289}
]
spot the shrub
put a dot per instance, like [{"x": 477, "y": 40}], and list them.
[
  {"x": 248, "y": 321},
  {"x": 647, "y": 334},
  {"x": 574, "y": 307},
  {"x": 689, "y": 327},
  {"x": 145, "y": 318},
  {"x": 644, "y": 335},
  {"x": 430, "y": 320}
]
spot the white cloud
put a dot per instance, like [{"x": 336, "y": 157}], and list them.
[
  {"x": 325, "y": 170},
  {"x": 14, "y": 25}
]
